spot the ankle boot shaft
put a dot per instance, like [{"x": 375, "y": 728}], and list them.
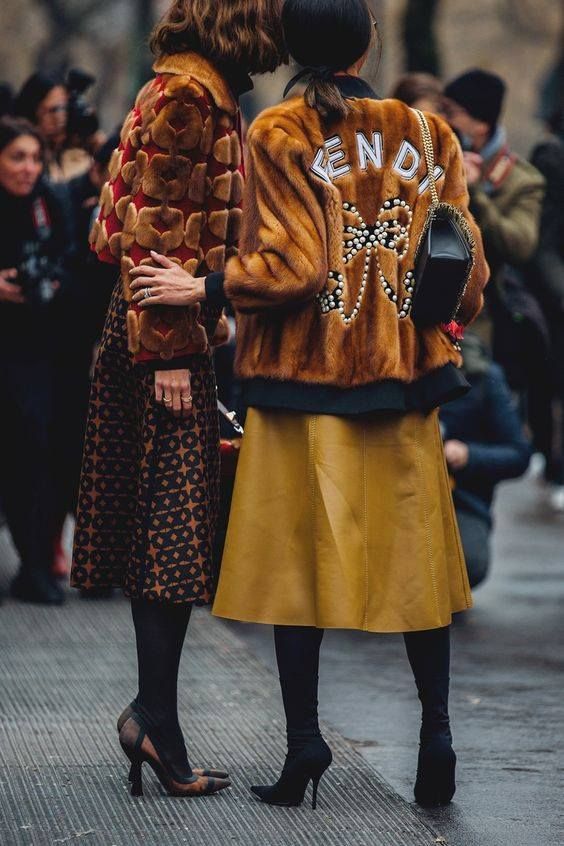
[{"x": 433, "y": 695}]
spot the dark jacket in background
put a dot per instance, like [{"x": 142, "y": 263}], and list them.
[
  {"x": 28, "y": 332},
  {"x": 488, "y": 421},
  {"x": 27, "y": 385},
  {"x": 507, "y": 205},
  {"x": 546, "y": 271}
]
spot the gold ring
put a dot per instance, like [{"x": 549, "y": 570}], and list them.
[
  {"x": 167, "y": 400},
  {"x": 186, "y": 399}
]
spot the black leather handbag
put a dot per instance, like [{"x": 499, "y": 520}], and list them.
[{"x": 445, "y": 254}]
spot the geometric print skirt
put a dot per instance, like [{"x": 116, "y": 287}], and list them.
[{"x": 149, "y": 491}]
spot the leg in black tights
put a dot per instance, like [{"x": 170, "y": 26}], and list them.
[
  {"x": 160, "y": 629},
  {"x": 429, "y": 656},
  {"x": 297, "y": 654}
]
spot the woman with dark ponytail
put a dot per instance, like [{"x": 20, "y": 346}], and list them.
[{"x": 342, "y": 514}]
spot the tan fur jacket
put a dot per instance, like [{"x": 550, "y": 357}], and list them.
[
  {"x": 176, "y": 184},
  {"x": 341, "y": 207}
]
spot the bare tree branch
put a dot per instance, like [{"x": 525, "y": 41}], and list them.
[{"x": 419, "y": 36}]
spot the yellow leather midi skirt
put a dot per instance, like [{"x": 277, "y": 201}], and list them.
[{"x": 343, "y": 523}]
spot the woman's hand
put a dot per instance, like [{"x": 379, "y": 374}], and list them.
[
  {"x": 9, "y": 291},
  {"x": 473, "y": 164},
  {"x": 173, "y": 389},
  {"x": 457, "y": 455},
  {"x": 167, "y": 284}
]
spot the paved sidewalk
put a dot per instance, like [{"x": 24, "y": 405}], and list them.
[
  {"x": 65, "y": 676},
  {"x": 507, "y": 698}
]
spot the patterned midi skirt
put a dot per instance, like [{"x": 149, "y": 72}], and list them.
[
  {"x": 149, "y": 490},
  {"x": 343, "y": 523}
]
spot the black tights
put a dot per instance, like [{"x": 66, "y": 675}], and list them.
[
  {"x": 160, "y": 629},
  {"x": 297, "y": 653}
]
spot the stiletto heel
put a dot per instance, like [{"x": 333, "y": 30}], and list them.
[
  {"x": 309, "y": 765},
  {"x": 131, "y": 773},
  {"x": 136, "y": 778},
  {"x": 315, "y": 785},
  {"x": 139, "y": 748}
]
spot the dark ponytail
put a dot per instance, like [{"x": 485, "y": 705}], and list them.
[
  {"x": 324, "y": 96},
  {"x": 325, "y": 37}
]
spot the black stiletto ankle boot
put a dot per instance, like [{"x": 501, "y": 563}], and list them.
[
  {"x": 309, "y": 765},
  {"x": 435, "y": 784}
]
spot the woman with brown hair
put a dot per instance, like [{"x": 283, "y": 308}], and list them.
[
  {"x": 33, "y": 269},
  {"x": 342, "y": 514},
  {"x": 150, "y": 482},
  {"x": 420, "y": 91}
]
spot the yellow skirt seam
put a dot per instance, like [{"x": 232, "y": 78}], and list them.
[
  {"x": 311, "y": 458},
  {"x": 365, "y": 525},
  {"x": 461, "y": 558},
  {"x": 427, "y": 524}
]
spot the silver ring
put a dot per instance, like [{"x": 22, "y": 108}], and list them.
[{"x": 146, "y": 293}]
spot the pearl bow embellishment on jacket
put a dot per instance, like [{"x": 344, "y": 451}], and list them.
[{"x": 391, "y": 233}]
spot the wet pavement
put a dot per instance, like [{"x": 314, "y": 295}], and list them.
[
  {"x": 66, "y": 673},
  {"x": 507, "y": 689}
]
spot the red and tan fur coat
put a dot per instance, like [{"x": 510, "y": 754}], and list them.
[
  {"x": 312, "y": 194},
  {"x": 176, "y": 184}
]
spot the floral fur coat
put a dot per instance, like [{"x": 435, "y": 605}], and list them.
[{"x": 176, "y": 185}]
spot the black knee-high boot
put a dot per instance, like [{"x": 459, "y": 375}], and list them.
[
  {"x": 297, "y": 654},
  {"x": 429, "y": 656},
  {"x": 160, "y": 630}
]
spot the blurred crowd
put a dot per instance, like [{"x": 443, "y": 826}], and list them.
[{"x": 54, "y": 160}]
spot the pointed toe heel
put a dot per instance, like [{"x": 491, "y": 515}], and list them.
[
  {"x": 289, "y": 791},
  {"x": 139, "y": 749}
]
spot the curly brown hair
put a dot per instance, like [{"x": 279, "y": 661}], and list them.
[{"x": 245, "y": 33}]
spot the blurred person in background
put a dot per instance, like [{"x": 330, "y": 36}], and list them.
[
  {"x": 149, "y": 491},
  {"x": 56, "y": 106},
  {"x": 484, "y": 445},
  {"x": 506, "y": 195},
  {"x": 420, "y": 91},
  {"x": 546, "y": 278},
  {"x": 80, "y": 314},
  {"x": 32, "y": 249},
  {"x": 6, "y": 99},
  {"x": 342, "y": 514}
]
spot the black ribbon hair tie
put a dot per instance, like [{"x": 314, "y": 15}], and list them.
[{"x": 322, "y": 72}]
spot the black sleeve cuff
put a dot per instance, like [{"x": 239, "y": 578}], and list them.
[
  {"x": 184, "y": 362},
  {"x": 215, "y": 294}
]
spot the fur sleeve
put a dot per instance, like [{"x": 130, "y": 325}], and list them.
[
  {"x": 282, "y": 256},
  {"x": 455, "y": 191},
  {"x": 175, "y": 188}
]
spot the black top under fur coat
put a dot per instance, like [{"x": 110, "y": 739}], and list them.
[{"x": 27, "y": 330}]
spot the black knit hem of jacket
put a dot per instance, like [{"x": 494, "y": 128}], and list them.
[
  {"x": 192, "y": 361},
  {"x": 436, "y": 388}
]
